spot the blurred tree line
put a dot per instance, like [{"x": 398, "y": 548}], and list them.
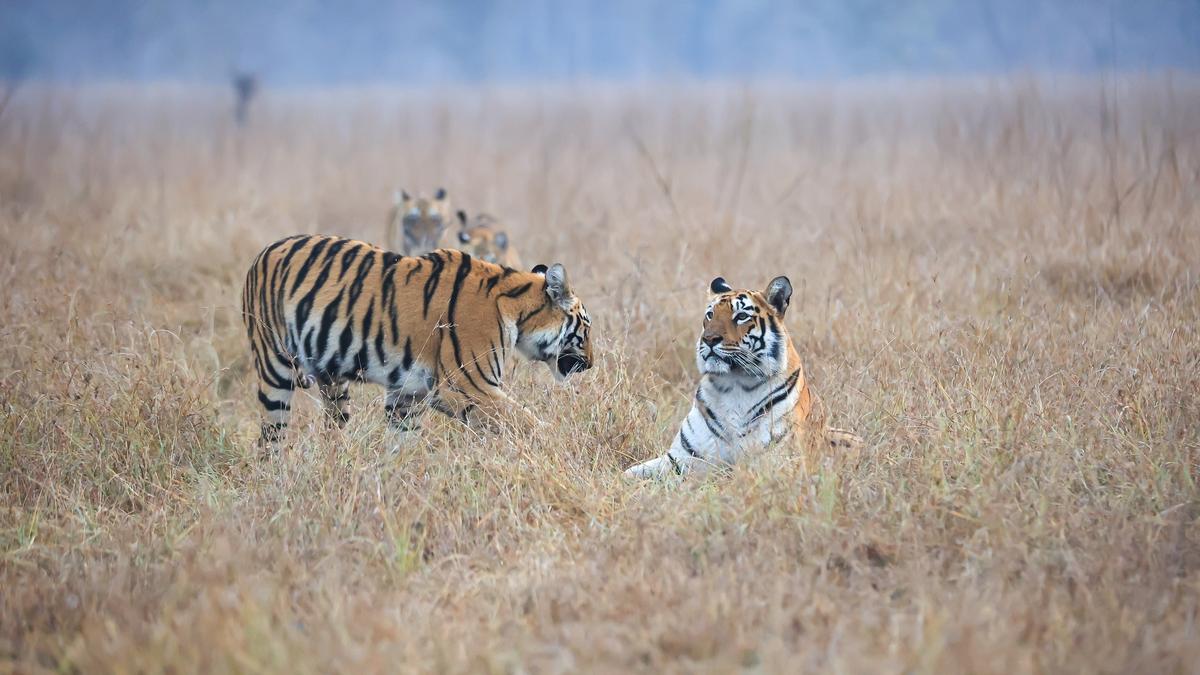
[{"x": 322, "y": 41}]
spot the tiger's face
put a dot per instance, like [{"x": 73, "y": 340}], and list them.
[
  {"x": 481, "y": 237},
  {"x": 423, "y": 220},
  {"x": 743, "y": 333},
  {"x": 559, "y": 332}
]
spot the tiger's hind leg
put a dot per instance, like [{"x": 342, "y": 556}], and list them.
[
  {"x": 337, "y": 403},
  {"x": 277, "y": 412},
  {"x": 276, "y": 386}
]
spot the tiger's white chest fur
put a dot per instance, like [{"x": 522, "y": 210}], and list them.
[{"x": 740, "y": 404}]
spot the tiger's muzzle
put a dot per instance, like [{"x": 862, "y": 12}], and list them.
[{"x": 568, "y": 364}]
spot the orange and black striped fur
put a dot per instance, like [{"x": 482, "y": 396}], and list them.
[
  {"x": 435, "y": 330},
  {"x": 752, "y": 392}
]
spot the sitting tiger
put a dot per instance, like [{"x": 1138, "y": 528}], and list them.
[
  {"x": 435, "y": 330},
  {"x": 416, "y": 225},
  {"x": 752, "y": 389},
  {"x": 482, "y": 237}
]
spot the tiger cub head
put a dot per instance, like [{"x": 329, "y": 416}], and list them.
[
  {"x": 422, "y": 220},
  {"x": 482, "y": 238},
  {"x": 559, "y": 332},
  {"x": 744, "y": 334}
]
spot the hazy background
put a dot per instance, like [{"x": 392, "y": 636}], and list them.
[{"x": 363, "y": 41}]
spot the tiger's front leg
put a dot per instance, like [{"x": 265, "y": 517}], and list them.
[{"x": 668, "y": 464}]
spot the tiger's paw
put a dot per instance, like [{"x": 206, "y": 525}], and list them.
[{"x": 653, "y": 468}]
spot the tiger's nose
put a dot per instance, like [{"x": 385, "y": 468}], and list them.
[{"x": 711, "y": 339}]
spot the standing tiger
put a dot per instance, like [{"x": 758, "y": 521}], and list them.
[
  {"x": 482, "y": 237},
  {"x": 752, "y": 389},
  {"x": 416, "y": 224},
  {"x": 433, "y": 330}
]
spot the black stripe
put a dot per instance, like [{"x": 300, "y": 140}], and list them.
[
  {"x": 360, "y": 277},
  {"x": 485, "y": 376},
  {"x": 300, "y": 243},
  {"x": 366, "y": 322},
  {"x": 327, "y": 318},
  {"x": 526, "y": 317},
  {"x": 491, "y": 283},
  {"x": 516, "y": 292},
  {"x": 270, "y": 405},
  {"x": 464, "y": 269},
  {"x": 407, "y": 361},
  {"x": 313, "y": 254},
  {"x": 497, "y": 369},
  {"x": 687, "y": 445},
  {"x": 348, "y": 259},
  {"x": 777, "y": 348},
  {"x": 346, "y": 338},
  {"x": 272, "y": 377},
  {"x": 415, "y": 268},
  {"x": 310, "y": 349},
  {"x": 500, "y": 331},
  {"x": 389, "y": 301},
  {"x": 379, "y": 347},
  {"x": 710, "y": 419},
  {"x": 675, "y": 465},
  {"x": 435, "y": 277},
  {"x": 779, "y": 394},
  {"x": 262, "y": 315}
]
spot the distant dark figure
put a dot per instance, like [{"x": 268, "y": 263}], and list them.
[{"x": 245, "y": 86}]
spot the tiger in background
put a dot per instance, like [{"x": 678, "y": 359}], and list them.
[
  {"x": 752, "y": 390},
  {"x": 416, "y": 224},
  {"x": 434, "y": 330},
  {"x": 482, "y": 237}
]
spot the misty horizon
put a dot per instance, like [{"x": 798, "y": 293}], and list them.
[{"x": 468, "y": 41}]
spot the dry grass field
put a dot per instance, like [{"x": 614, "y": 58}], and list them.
[{"x": 997, "y": 284}]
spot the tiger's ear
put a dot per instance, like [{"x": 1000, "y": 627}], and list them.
[
  {"x": 502, "y": 241},
  {"x": 779, "y": 294},
  {"x": 400, "y": 196},
  {"x": 464, "y": 236},
  {"x": 719, "y": 285},
  {"x": 440, "y": 194},
  {"x": 556, "y": 284}
]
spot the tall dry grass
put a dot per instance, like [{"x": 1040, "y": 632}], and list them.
[{"x": 998, "y": 284}]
